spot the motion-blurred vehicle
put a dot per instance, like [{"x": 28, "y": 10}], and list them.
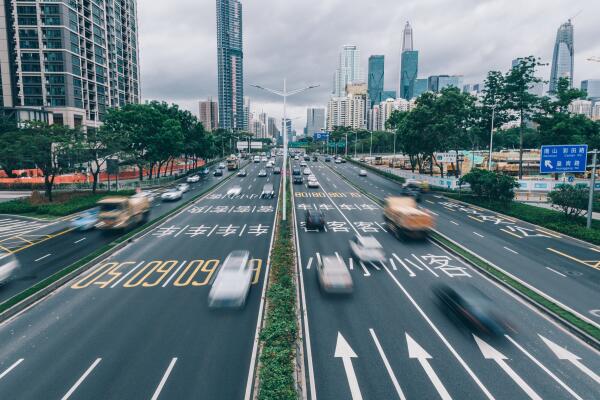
[
  {"x": 232, "y": 284},
  {"x": 334, "y": 276},
  {"x": 218, "y": 172},
  {"x": 307, "y": 158},
  {"x": 86, "y": 220},
  {"x": 268, "y": 192},
  {"x": 242, "y": 173},
  {"x": 367, "y": 249},
  {"x": 298, "y": 180},
  {"x": 306, "y": 171},
  {"x": 9, "y": 266},
  {"x": 234, "y": 191},
  {"x": 327, "y": 159},
  {"x": 314, "y": 219},
  {"x": 343, "y": 160},
  {"x": 193, "y": 179},
  {"x": 315, "y": 158},
  {"x": 404, "y": 219},
  {"x": 120, "y": 212},
  {"x": 172, "y": 194},
  {"x": 262, "y": 173},
  {"x": 277, "y": 170},
  {"x": 412, "y": 189},
  {"x": 150, "y": 196},
  {"x": 313, "y": 183},
  {"x": 473, "y": 307},
  {"x": 296, "y": 171},
  {"x": 205, "y": 171},
  {"x": 184, "y": 187},
  {"x": 362, "y": 172}
]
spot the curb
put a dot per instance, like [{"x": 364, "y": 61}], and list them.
[{"x": 25, "y": 299}]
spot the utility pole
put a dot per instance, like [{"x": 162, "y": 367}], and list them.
[
  {"x": 491, "y": 139},
  {"x": 592, "y": 187}
]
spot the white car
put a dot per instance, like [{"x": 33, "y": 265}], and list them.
[
  {"x": 306, "y": 171},
  {"x": 232, "y": 284},
  {"x": 362, "y": 172},
  {"x": 184, "y": 187},
  {"x": 234, "y": 191},
  {"x": 303, "y": 164},
  {"x": 172, "y": 194},
  {"x": 333, "y": 275},
  {"x": 269, "y": 164},
  {"x": 268, "y": 192},
  {"x": 313, "y": 183},
  {"x": 9, "y": 265},
  {"x": 367, "y": 249},
  {"x": 264, "y": 159},
  {"x": 256, "y": 159},
  {"x": 221, "y": 166},
  {"x": 338, "y": 160},
  {"x": 193, "y": 179},
  {"x": 262, "y": 173}
]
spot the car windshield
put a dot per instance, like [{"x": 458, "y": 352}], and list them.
[
  {"x": 268, "y": 188},
  {"x": 108, "y": 207}
]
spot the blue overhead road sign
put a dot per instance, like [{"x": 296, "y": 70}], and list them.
[
  {"x": 320, "y": 136},
  {"x": 563, "y": 158}
]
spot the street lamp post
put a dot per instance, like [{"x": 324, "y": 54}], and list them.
[
  {"x": 285, "y": 94},
  {"x": 371, "y": 148},
  {"x": 491, "y": 138}
]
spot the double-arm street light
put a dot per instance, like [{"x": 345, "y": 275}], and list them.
[{"x": 285, "y": 94}]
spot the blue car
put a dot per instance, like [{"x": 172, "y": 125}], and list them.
[{"x": 86, "y": 220}]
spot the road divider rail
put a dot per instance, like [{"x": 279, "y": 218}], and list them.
[
  {"x": 575, "y": 322},
  {"x": 35, "y": 293}
]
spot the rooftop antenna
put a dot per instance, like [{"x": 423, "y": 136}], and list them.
[{"x": 573, "y": 17}]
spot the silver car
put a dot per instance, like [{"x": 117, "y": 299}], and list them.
[
  {"x": 234, "y": 191},
  {"x": 333, "y": 275},
  {"x": 232, "y": 284},
  {"x": 367, "y": 249},
  {"x": 9, "y": 265}
]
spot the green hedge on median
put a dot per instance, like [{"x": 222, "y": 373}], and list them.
[
  {"x": 279, "y": 334},
  {"x": 381, "y": 172}
]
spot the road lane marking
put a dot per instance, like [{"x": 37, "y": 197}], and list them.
[
  {"x": 478, "y": 234},
  {"x": 375, "y": 266},
  {"x": 169, "y": 279},
  {"x": 127, "y": 274},
  {"x": 181, "y": 230},
  {"x": 425, "y": 265},
  {"x": 13, "y": 366},
  {"x": 476, "y": 219},
  {"x": 79, "y": 241},
  {"x": 367, "y": 273},
  {"x": 351, "y": 261},
  {"x": 510, "y": 233},
  {"x": 242, "y": 231},
  {"x": 393, "y": 265},
  {"x": 549, "y": 233},
  {"x": 556, "y": 272},
  {"x": 310, "y": 260},
  {"x": 379, "y": 225},
  {"x": 388, "y": 367},
  {"x": 431, "y": 212},
  {"x": 546, "y": 370},
  {"x": 413, "y": 264},
  {"x": 511, "y": 250},
  {"x": 564, "y": 354},
  {"x": 319, "y": 257},
  {"x": 455, "y": 223},
  {"x": 345, "y": 352},
  {"x": 410, "y": 273},
  {"x": 416, "y": 351},
  {"x": 41, "y": 258},
  {"x": 81, "y": 379},
  {"x": 596, "y": 264},
  {"x": 430, "y": 202},
  {"x": 164, "y": 379}
]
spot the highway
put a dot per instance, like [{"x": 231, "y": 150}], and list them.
[
  {"x": 390, "y": 339},
  {"x": 138, "y": 325},
  {"x": 564, "y": 269},
  {"x": 45, "y": 248}
]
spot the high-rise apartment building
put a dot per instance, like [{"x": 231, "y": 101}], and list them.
[
  {"x": 563, "y": 56},
  {"x": 272, "y": 130},
  {"x": 348, "y": 70},
  {"x": 409, "y": 64},
  {"x": 376, "y": 78},
  {"x": 592, "y": 87},
  {"x": 209, "y": 114},
  {"x": 68, "y": 62},
  {"x": 315, "y": 120},
  {"x": 230, "y": 57},
  {"x": 351, "y": 110}
]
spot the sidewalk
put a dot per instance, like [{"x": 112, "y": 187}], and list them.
[{"x": 547, "y": 206}]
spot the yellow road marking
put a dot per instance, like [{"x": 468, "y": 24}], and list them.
[
  {"x": 41, "y": 241},
  {"x": 511, "y": 233},
  {"x": 476, "y": 219},
  {"x": 5, "y": 249},
  {"x": 23, "y": 239},
  {"x": 549, "y": 233},
  {"x": 595, "y": 266},
  {"x": 595, "y": 249}
]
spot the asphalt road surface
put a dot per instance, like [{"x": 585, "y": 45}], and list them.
[
  {"x": 391, "y": 339},
  {"x": 561, "y": 268},
  {"x": 44, "y": 248},
  {"x": 138, "y": 325}
]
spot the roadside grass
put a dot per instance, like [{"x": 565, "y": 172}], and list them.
[
  {"x": 550, "y": 219},
  {"x": 280, "y": 332}
]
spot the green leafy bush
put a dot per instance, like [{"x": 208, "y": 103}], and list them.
[
  {"x": 571, "y": 200},
  {"x": 492, "y": 185},
  {"x": 381, "y": 172}
]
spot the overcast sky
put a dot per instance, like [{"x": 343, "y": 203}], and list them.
[{"x": 300, "y": 40}]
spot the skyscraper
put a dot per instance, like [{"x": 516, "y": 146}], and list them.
[
  {"x": 315, "y": 120},
  {"x": 348, "y": 70},
  {"x": 209, "y": 114},
  {"x": 592, "y": 88},
  {"x": 230, "y": 57},
  {"x": 562, "y": 58},
  {"x": 420, "y": 87},
  {"x": 376, "y": 78},
  {"x": 68, "y": 62},
  {"x": 409, "y": 64}
]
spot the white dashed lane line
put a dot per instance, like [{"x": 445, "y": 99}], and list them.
[{"x": 41, "y": 258}]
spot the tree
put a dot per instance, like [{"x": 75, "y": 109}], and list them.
[
  {"x": 492, "y": 185},
  {"x": 517, "y": 96},
  {"x": 99, "y": 145},
  {"x": 9, "y": 143},
  {"x": 571, "y": 200}
]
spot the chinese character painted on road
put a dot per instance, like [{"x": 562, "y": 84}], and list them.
[
  {"x": 368, "y": 207},
  {"x": 220, "y": 209},
  {"x": 337, "y": 226},
  {"x": 166, "y": 231},
  {"x": 258, "y": 230},
  {"x": 347, "y": 207},
  {"x": 442, "y": 263},
  {"x": 227, "y": 230},
  {"x": 325, "y": 207},
  {"x": 197, "y": 210},
  {"x": 242, "y": 209},
  {"x": 366, "y": 227},
  {"x": 305, "y": 206},
  {"x": 265, "y": 209},
  {"x": 492, "y": 218},
  {"x": 198, "y": 230},
  {"x": 525, "y": 232}
]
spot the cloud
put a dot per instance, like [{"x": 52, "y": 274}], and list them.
[{"x": 300, "y": 40}]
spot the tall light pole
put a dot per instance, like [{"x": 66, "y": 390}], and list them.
[
  {"x": 491, "y": 138},
  {"x": 371, "y": 148},
  {"x": 285, "y": 94}
]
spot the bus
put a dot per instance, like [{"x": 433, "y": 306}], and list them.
[{"x": 233, "y": 163}]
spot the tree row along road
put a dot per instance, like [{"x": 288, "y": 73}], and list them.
[
  {"x": 564, "y": 269},
  {"x": 138, "y": 324},
  {"x": 390, "y": 339},
  {"x": 45, "y": 251}
]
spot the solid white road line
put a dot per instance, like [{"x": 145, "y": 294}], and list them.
[
  {"x": 393, "y": 265},
  {"x": 7, "y": 370},
  {"x": 81, "y": 379},
  {"x": 121, "y": 279},
  {"x": 169, "y": 279},
  {"x": 425, "y": 265},
  {"x": 310, "y": 260},
  {"x": 511, "y": 250},
  {"x": 546, "y": 370},
  {"x": 410, "y": 273},
  {"x": 318, "y": 257},
  {"x": 387, "y": 366},
  {"x": 430, "y": 202},
  {"x": 41, "y": 258},
  {"x": 164, "y": 379},
  {"x": 455, "y": 223},
  {"x": 556, "y": 272},
  {"x": 351, "y": 261},
  {"x": 79, "y": 241},
  {"x": 478, "y": 234},
  {"x": 367, "y": 273}
]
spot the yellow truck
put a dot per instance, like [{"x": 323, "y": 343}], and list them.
[
  {"x": 233, "y": 163},
  {"x": 122, "y": 213},
  {"x": 405, "y": 219}
]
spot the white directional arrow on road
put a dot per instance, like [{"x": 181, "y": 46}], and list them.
[
  {"x": 345, "y": 352},
  {"x": 563, "y": 354},
  {"x": 490, "y": 353},
  {"x": 416, "y": 351}
]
